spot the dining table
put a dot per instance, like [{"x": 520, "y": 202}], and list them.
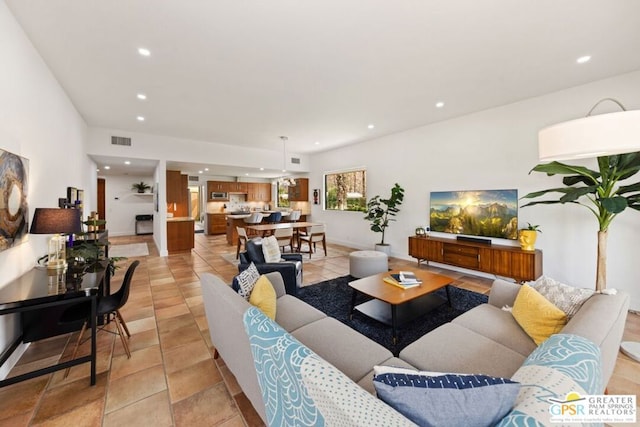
[{"x": 268, "y": 229}]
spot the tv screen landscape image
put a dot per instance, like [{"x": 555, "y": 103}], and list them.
[{"x": 487, "y": 213}]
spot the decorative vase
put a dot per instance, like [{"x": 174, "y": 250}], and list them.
[
  {"x": 386, "y": 248},
  {"x": 527, "y": 239}
]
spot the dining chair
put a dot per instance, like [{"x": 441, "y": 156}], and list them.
[
  {"x": 107, "y": 306},
  {"x": 294, "y": 216},
  {"x": 284, "y": 236},
  {"x": 254, "y": 219},
  {"x": 315, "y": 234},
  {"x": 242, "y": 239}
]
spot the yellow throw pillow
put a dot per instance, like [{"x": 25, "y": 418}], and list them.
[
  {"x": 263, "y": 296},
  {"x": 536, "y": 315}
]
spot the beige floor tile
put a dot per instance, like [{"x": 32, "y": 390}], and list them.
[
  {"x": 140, "y": 360},
  {"x": 154, "y": 410},
  {"x": 135, "y": 387},
  {"x": 209, "y": 407},
  {"x": 193, "y": 379},
  {"x": 178, "y": 358},
  {"x": 90, "y": 413}
]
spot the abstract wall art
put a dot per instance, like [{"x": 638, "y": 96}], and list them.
[{"x": 14, "y": 210}]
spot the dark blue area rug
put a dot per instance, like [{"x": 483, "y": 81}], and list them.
[{"x": 333, "y": 297}]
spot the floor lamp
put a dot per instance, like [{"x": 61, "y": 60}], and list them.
[{"x": 594, "y": 136}]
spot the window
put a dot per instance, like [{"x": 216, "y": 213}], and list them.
[
  {"x": 346, "y": 191},
  {"x": 283, "y": 195}
]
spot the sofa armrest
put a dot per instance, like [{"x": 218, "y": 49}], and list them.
[
  {"x": 286, "y": 269},
  {"x": 291, "y": 257},
  {"x": 278, "y": 284},
  {"x": 503, "y": 293}
]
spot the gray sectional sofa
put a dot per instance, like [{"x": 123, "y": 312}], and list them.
[{"x": 483, "y": 340}]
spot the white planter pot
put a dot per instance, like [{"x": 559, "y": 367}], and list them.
[{"x": 386, "y": 248}]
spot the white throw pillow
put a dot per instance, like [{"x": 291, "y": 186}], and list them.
[
  {"x": 271, "y": 249},
  {"x": 567, "y": 298}
]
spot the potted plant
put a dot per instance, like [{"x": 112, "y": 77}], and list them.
[
  {"x": 527, "y": 237},
  {"x": 597, "y": 191},
  {"x": 380, "y": 213},
  {"x": 141, "y": 187}
]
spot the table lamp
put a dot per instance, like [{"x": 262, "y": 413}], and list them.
[{"x": 56, "y": 221}]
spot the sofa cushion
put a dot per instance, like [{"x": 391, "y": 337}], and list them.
[
  {"x": 445, "y": 400},
  {"x": 538, "y": 316},
  {"x": 348, "y": 350},
  {"x": 298, "y": 387},
  {"x": 561, "y": 365},
  {"x": 497, "y": 325},
  {"x": 243, "y": 283},
  {"x": 271, "y": 249},
  {"x": 367, "y": 381},
  {"x": 293, "y": 313},
  {"x": 263, "y": 296},
  {"x": 567, "y": 298},
  {"x": 454, "y": 348}
]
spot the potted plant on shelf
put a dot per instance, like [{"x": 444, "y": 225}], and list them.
[
  {"x": 140, "y": 187},
  {"x": 527, "y": 237},
  {"x": 604, "y": 197},
  {"x": 380, "y": 213}
]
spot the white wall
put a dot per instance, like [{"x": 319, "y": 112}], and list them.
[
  {"x": 492, "y": 149},
  {"x": 123, "y": 204},
  {"x": 40, "y": 123}
]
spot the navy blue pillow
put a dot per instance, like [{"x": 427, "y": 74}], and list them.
[
  {"x": 448, "y": 399},
  {"x": 254, "y": 253}
]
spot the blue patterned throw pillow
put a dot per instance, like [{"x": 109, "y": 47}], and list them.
[{"x": 448, "y": 399}]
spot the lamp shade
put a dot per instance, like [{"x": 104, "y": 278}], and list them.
[
  {"x": 592, "y": 136},
  {"x": 54, "y": 221}
]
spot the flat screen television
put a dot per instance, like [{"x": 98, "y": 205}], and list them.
[{"x": 486, "y": 213}]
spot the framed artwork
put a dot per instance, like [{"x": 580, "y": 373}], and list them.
[
  {"x": 72, "y": 195},
  {"x": 80, "y": 205},
  {"x": 14, "y": 210}
]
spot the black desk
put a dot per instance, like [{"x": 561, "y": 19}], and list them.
[{"x": 30, "y": 294}]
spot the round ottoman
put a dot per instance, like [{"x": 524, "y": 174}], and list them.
[{"x": 367, "y": 263}]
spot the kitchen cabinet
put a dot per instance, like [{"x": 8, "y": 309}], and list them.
[
  {"x": 180, "y": 235},
  {"x": 174, "y": 187},
  {"x": 300, "y": 191},
  {"x": 216, "y": 223},
  {"x": 177, "y": 194},
  {"x": 259, "y": 192},
  {"x": 508, "y": 261},
  {"x": 238, "y": 187},
  {"x": 217, "y": 187}
]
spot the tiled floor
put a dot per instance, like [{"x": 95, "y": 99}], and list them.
[{"x": 171, "y": 378}]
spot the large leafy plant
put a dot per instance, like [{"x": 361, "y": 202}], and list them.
[
  {"x": 597, "y": 191},
  {"x": 380, "y": 212}
]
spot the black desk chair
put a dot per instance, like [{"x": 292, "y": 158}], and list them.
[{"x": 107, "y": 305}]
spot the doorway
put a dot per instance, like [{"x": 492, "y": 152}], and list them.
[{"x": 194, "y": 208}]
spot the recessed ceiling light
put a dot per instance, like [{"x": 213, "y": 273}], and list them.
[
  {"x": 206, "y": 169},
  {"x": 284, "y": 170},
  {"x": 199, "y": 171},
  {"x": 261, "y": 169},
  {"x": 583, "y": 59},
  {"x": 140, "y": 118},
  {"x": 141, "y": 96},
  {"x": 127, "y": 162},
  {"x": 371, "y": 126},
  {"x": 107, "y": 167},
  {"x": 246, "y": 174},
  {"x": 439, "y": 104},
  {"x": 317, "y": 142},
  {"x": 97, "y": 170},
  {"x": 144, "y": 52}
]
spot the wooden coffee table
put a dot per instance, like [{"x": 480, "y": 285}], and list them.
[{"x": 394, "y": 306}]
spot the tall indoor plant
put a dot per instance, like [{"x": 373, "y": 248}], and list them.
[
  {"x": 380, "y": 212},
  {"x": 599, "y": 192}
]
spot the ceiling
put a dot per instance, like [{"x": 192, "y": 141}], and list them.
[{"x": 320, "y": 72}]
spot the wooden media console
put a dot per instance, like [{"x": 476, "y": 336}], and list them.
[{"x": 506, "y": 261}]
